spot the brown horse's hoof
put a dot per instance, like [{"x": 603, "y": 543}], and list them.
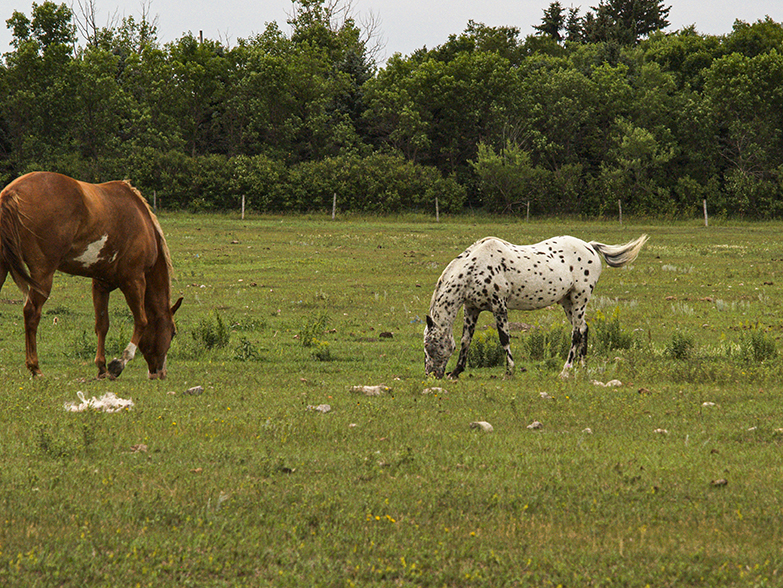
[{"x": 115, "y": 368}]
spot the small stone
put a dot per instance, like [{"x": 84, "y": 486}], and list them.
[
  {"x": 434, "y": 390},
  {"x": 609, "y": 384},
  {"x": 661, "y": 432},
  {"x": 140, "y": 448},
  {"x": 322, "y": 408},
  {"x": 194, "y": 391},
  {"x": 720, "y": 482},
  {"x": 587, "y": 431},
  {"x": 483, "y": 425},
  {"x": 371, "y": 390},
  {"x": 546, "y": 396},
  {"x": 708, "y": 404},
  {"x": 535, "y": 425}
]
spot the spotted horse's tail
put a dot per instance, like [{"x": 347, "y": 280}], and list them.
[{"x": 620, "y": 255}]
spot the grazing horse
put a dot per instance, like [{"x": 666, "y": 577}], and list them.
[
  {"x": 495, "y": 275},
  {"x": 107, "y": 232}
]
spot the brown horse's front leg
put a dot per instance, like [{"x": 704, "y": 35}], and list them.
[
  {"x": 100, "y": 302},
  {"x": 32, "y": 316},
  {"x": 134, "y": 296}
]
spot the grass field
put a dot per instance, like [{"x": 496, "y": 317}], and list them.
[{"x": 673, "y": 478}]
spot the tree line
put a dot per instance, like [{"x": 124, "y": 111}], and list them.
[{"x": 585, "y": 111}]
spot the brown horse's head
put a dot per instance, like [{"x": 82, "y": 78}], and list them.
[{"x": 156, "y": 340}]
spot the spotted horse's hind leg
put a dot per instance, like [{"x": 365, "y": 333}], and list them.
[
  {"x": 574, "y": 306},
  {"x": 501, "y": 323}
]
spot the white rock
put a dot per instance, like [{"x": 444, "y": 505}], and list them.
[
  {"x": 661, "y": 431},
  {"x": 483, "y": 425},
  {"x": 708, "y": 404},
  {"x": 434, "y": 390},
  {"x": 535, "y": 425},
  {"x": 371, "y": 390},
  {"x": 609, "y": 384},
  {"x": 545, "y": 396},
  {"x": 324, "y": 408},
  {"x": 587, "y": 431}
]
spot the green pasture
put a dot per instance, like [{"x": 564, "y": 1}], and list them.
[{"x": 673, "y": 478}]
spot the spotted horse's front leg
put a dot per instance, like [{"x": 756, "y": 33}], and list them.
[{"x": 468, "y": 328}]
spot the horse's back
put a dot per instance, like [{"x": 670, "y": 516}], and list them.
[{"x": 78, "y": 227}]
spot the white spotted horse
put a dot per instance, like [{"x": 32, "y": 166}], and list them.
[
  {"x": 495, "y": 275},
  {"x": 107, "y": 232}
]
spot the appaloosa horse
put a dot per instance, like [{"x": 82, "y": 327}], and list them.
[
  {"x": 107, "y": 232},
  {"x": 495, "y": 275}
]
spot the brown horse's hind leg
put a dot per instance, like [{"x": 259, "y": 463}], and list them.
[
  {"x": 100, "y": 302},
  {"x": 32, "y": 316}
]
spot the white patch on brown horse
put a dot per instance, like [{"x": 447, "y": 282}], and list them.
[{"x": 92, "y": 254}]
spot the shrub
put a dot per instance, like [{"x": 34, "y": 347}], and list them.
[
  {"x": 84, "y": 345},
  {"x": 321, "y": 350},
  {"x": 378, "y": 183},
  {"x": 543, "y": 344},
  {"x": 608, "y": 332},
  {"x": 756, "y": 345},
  {"x": 211, "y": 333},
  {"x": 485, "y": 350},
  {"x": 246, "y": 351},
  {"x": 311, "y": 329},
  {"x": 681, "y": 346}
]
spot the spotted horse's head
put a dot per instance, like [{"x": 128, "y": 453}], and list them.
[{"x": 438, "y": 346}]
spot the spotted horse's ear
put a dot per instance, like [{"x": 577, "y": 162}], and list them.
[{"x": 430, "y": 324}]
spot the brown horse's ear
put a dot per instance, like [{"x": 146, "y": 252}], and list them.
[{"x": 176, "y": 305}]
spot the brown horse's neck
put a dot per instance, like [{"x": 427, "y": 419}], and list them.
[{"x": 157, "y": 298}]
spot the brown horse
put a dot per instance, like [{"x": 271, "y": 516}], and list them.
[{"x": 106, "y": 232}]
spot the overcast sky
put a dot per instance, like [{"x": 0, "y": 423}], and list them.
[{"x": 405, "y": 25}]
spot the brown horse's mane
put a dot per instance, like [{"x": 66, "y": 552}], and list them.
[{"x": 161, "y": 239}]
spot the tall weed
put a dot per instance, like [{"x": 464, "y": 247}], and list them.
[
  {"x": 486, "y": 350},
  {"x": 211, "y": 333},
  {"x": 609, "y": 334}
]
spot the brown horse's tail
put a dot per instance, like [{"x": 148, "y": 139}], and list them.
[{"x": 11, "y": 243}]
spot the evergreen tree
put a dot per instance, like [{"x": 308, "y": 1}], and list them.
[
  {"x": 631, "y": 20},
  {"x": 553, "y": 22}
]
